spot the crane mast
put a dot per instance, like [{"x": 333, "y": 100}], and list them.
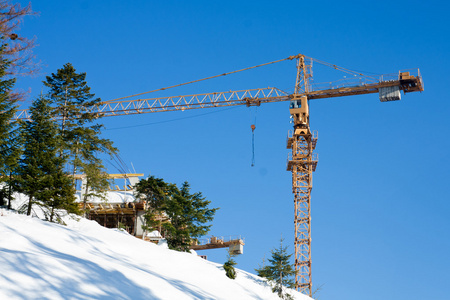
[{"x": 302, "y": 161}]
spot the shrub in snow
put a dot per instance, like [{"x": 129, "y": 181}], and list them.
[{"x": 228, "y": 266}]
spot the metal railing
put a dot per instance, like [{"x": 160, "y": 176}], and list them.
[{"x": 219, "y": 239}]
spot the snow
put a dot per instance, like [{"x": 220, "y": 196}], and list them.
[
  {"x": 83, "y": 260},
  {"x": 154, "y": 233},
  {"x": 112, "y": 196}
]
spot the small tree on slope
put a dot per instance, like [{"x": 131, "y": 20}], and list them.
[
  {"x": 279, "y": 272},
  {"x": 228, "y": 266}
]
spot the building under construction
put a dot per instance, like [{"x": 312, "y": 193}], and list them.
[{"x": 119, "y": 208}]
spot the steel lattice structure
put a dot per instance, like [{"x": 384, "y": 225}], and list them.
[
  {"x": 302, "y": 162},
  {"x": 173, "y": 103}
]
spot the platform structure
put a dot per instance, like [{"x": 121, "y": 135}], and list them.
[
  {"x": 235, "y": 244},
  {"x": 116, "y": 215}
]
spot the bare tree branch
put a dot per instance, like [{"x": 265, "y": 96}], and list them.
[{"x": 17, "y": 48}]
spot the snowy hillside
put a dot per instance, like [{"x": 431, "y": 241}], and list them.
[{"x": 42, "y": 260}]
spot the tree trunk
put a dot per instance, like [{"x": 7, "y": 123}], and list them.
[
  {"x": 63, "y": 123},
  {"x": 85, "y": 198},
  {"x": 29, "y": 205},
  {"x": 10, "y": 191},
  {"x": 74, "y": 165}
]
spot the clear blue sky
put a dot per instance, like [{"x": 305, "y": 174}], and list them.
[{"x": 380, "y": 202}]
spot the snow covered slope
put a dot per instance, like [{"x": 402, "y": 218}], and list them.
[{"x": 42, "y": 260}]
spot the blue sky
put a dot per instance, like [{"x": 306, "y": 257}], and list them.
[{"x": 380, "y": 209}]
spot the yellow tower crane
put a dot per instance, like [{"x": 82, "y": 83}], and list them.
[{"x": 301, "y": 140}]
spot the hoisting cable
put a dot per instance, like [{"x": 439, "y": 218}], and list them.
[
  {"x": 253, "y": 127},
  {"x": 172, "y": 120},
  {"x": 253, "y": 144},
  {"x": 348, "y": 71},
  {"x": 198, "y": 80}
]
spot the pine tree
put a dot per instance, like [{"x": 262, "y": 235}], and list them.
[
  {"x": 228, "y": 266},
  {"x": 96, "y": 182},
  {"x": 186, "y": 213},
  {"x": 72, "y": 101},
  {"x": 263, "y": 271},
  {"x": 12, "y": 156},
  {"x": 155, "y": 192},
  {"x": 40, "y": 173},
  {"x": 9, "y": 142},
  {"x": 59, "y": 194},
  {"x": 177, "y": 230},
  {"x": 279, "y": 272},
  {"x": 71, "y": 96}
]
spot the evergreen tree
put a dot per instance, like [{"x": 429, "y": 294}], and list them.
[
  {"x": 186, "y": 213},
  {"x": 95, "y": 183},
  {"x": 9, "y": 139},
  {"x": 263, "y": 271},
  {"x": 40, "y": 173},
  {"x": 12, "y": 156},
  {"x": 73, "y": 102},
  {"x": 279, "y": 272},
  {"x": 59, "y": 194},
  {"x": 71, "y": 96},
  {"x": 228, "y": 266},
  {"x": 155, "y": 192},
  {"x": 177, "y": 230}
]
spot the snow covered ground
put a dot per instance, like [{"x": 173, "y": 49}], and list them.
[{"x": 83, "y": 260}]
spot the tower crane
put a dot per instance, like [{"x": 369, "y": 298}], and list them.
[{"x": 302, "y": 161}]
